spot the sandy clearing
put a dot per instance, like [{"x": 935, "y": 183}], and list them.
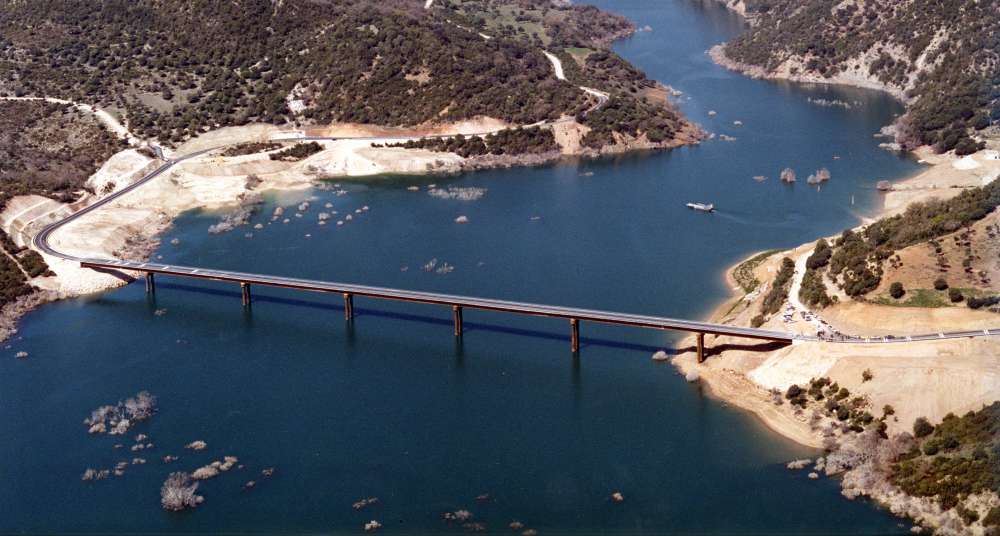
[{"x": 942, "y": 180}]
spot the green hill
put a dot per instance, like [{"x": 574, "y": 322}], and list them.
[{"x": 176, "y": 68}]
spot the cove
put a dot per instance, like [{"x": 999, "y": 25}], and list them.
[{"x": 393, "y": 407}]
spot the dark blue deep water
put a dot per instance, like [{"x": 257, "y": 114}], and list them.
[{"x": 393, "y": 407}]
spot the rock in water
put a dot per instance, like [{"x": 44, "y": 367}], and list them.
[
  {"x": 799, "y": 464},
  {"x": 196, "y": 445},
  {"x": 692, "y": 376},
  {"x": 372, "y": 526},
  {"x": 462, "y": 219},
  {"x": 660, "y": 356},
  {"x": 617, "y": 497}
]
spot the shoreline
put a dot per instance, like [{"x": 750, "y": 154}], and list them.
[{"x": 718, "y": 55}]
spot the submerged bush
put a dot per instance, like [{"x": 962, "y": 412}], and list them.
[{"x": 178, "y": 493}]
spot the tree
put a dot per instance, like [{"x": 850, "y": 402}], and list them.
[
  {"x": 178, "y": 493},
  {"x": 955, "y": 295},
  {"x": 922, "y": 427},
  {"x": 896, "y": 290},
  {"x": 940, "y": 284}
]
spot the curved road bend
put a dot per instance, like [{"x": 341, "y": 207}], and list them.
[{"x": 40, "y": 241}]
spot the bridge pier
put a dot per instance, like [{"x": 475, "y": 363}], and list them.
[
  {"x": 574, "y": 339},
  {"x": 456, "y": 315},
  {"x": 348, "y": 306},
  {"x": 150, "y": 283},
  {"x": 701, "y": 347},
  {"x": 245, "y": 291}
]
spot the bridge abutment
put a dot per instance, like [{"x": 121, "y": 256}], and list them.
[{"x": 150, "y": 283}]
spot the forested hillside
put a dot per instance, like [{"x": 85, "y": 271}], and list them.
[
  {"x": 174, "y": 68},
  {"x": 942, "y": 55}
]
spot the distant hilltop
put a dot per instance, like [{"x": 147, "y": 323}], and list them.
[
  {"x": 396, "y": 63},
  {"x": 941, "y": 58}
]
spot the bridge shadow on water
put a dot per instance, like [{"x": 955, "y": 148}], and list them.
[{"x": 424, "y": 319}]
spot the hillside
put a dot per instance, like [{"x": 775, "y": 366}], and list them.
[
  {"x": 941, "y": 57},
  {"x": 390, "y": 63}
]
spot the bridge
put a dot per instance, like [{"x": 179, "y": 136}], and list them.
[{"x": 456, "y": 303}]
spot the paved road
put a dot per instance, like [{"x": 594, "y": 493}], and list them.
[{"x": 40, "y": 242}]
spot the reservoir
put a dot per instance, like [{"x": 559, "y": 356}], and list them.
[{"x": 392, "y": 406}]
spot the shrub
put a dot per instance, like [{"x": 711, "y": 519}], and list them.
[
  {"x": 940, "y": 284},
  {"x": 967, "y": 515},
  {"x": 888, "y": 410},
  {"x": 867, "y": 375},
  {"x": 843, "y": 413},
  {"x": 757, "y": 321},
  {"x": 821, "y": 255},
  {"x": 922, "y": 428},
  {"x": 955, "y": 295},
  {"x": 793, "y": 391},
  {"x": 992, "y": 517},
  {"x": 896, "y": 290},
  {"x": 978, "y": 303}
]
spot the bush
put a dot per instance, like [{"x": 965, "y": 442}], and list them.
[
  {"x": 843, "y": 413},
  {"x": 867, "y": 375},
  {"x": 793, "y": 391},
  {"x": 955, "y": 295},
  {"x": 940, "y": 284},
  {"x": 896, "y": 290},
  {"x": 966, "y": 146},
  {"x": 992, "y": 518},
  {"x": 922, "y": 427},
  {"x": 978, "y": 303},
  {"x": 757, "y": 321},
  {"x": 821, "y": 255}
]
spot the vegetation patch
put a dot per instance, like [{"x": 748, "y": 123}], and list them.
[
  {"x": 532, "y": 140},
  {"x": 250, "y": 148},
  {"x": 957, "y": 458},
  {"x": 297, "y": 152},
  {"x": 49, "y": 149},
  {"x": 858, "y": 257},
  {"x": 743, "y": 273},
  {"x": 779, "y": 290}
]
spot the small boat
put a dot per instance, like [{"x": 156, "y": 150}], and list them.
[{"x": 702, "y": 207}]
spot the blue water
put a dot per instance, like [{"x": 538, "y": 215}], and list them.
[{"x": 392, "y": 406}]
